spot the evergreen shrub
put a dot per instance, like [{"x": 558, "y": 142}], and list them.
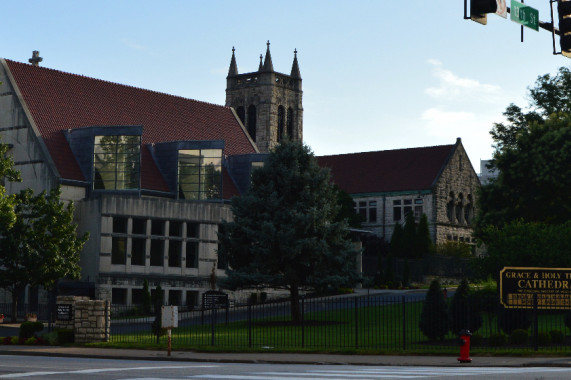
[
  {"x": 434, "y": 320},
  {"x": 519, "y": 337}
]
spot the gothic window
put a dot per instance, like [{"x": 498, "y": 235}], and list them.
[
  {"x": 116, "y": 162},
  {"x": 241, "y": 114},
  {"x": 290, "y": 123},
  {"x": 281, "y": 122},
  {"x": 200, "y": 174},
  {"x": 469, "y": 210},
  {"x": 252, "y": 116},
  {"x": 450, "y": 208},
  {"x": 460, "y": 209}
]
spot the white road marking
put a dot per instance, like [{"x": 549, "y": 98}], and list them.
[{"x": 97, "y": 370}]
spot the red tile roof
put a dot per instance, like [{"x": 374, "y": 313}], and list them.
[
  {"x": 59, "y": 101},
  {"x": 388, "y": 171}
]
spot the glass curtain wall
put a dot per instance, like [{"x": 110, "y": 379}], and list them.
[
  {"x": 200, "y": 174},
  {"x": 116, "y": 162}
]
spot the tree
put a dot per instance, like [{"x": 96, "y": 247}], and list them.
[
  {"x": 464, "y": 312},
  {"x": 41, "y": 246},
  {"x": 147, "y": 302},
  {"x": 7, "y": 202},
  {"x": 409, "y": 235},
  {"x": 347, "y": 209},
  {"x": 434, "y": 319},
  {"x": 532, "y": 159},
  {"x": 397, "y": 246},
  {"x": 423, "y": 241},
  {"x": 284, "y": 234}
]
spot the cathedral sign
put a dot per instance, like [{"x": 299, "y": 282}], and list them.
[{"x": 520, "y": 285}]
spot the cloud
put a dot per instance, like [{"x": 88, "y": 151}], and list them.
[
  {"x": 452, "y": 87},
  {"x": 133, "y": 45}
]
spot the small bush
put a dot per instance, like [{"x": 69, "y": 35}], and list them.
[
  {"x": 30, "y": 341},
  {"x": 14, "y": 340},
  {"x": 518, "y": 337},
  {"x": 29, "y": 329},
  {"x": 497, "y": 340},
  {"x": 7, "y": 340},
  {"x": 510, "y": 320},
  {"x": 556, "y": 336},
  {"x": 65, "y": 336},
  {"x": 50, "y": 338},
  {"x": 543, "y": 338}
]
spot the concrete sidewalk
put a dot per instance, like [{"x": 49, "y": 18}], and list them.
[{"x": 289, "y": 358}]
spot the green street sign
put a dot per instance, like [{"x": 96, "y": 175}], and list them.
[{"x": 525, "y": 15}]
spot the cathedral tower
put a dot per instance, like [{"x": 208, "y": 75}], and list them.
[{"x": 267, "y": 102}]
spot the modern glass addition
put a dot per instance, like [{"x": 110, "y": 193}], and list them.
[
  {"x": 200, "y": 174},
  {"x": 116, "y": 162}
]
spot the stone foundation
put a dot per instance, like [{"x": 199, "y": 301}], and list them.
[{"x": 90, "y": 319}]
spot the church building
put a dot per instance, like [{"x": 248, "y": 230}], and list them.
[{"x": 151, "y": 174}]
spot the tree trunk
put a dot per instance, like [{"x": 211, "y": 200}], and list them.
[
  {"x": 295, "y": 309},
  {"x": 15, "y": 295}
]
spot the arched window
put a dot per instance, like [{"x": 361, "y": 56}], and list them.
[
  {"x": 252, "y": 121},
  {"x": 290, "y": 123},
  {"x": 460, "y": 209},
  {"x": 469, "y": 210},
  {"x": 241, "y": 114},
  {"x": 281, "y": 122},
  {"x": 450, "y": 207}
]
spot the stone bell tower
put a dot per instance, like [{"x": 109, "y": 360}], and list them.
[{"x": 268, "y": 103}]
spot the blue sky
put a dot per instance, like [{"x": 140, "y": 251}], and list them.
[{"x": 376, "y": 74}]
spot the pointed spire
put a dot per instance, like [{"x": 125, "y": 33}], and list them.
[
  {"x": 295, "y": 67},
  {"x": 268, "y": 66},
  {"x": 233, "y": 66},
  {"x": 260, "y": 68}
]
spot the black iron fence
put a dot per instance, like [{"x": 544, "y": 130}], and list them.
[
  {"x": 376, "y": 322},
  {"x": 41, "y": 311}
]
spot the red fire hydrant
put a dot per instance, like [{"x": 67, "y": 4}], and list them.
[{"x": 465, "y": 346}]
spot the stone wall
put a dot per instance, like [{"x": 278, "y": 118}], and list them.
[{"x": 90, "y": 319}]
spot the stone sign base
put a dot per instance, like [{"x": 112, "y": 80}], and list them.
[{"x": 88, "y": 319}]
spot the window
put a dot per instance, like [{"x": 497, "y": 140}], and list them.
[
  {"x": 281, "y": 122},
  {"x": 157, "y": 253},
  {"x": 175, "y": 297},
  {"x": 175, "y": 228},
  {"x": 418, "y": 208},
  {"x": 407, "y": 206},
  {"x": 241, "y": 112},
  {"x": 192, "y": 230},
  {"x": 118, "y": 296},
  {"x": 191, "y": 298},
  {"x": 362, "y": 210},
  {"x": 200, "y": 174},
  {"x": 397, "y": 212},
  {"x": 252, "y": 116},
  {"x": 192, "y": 254},
  {"x": 157, "y": 227},
  {"x": 290, "y": 123},
  {"x": 138, "y": 251},
  {"x": 137, "y": 296},
  {"x": 118, "y": 250},
  {"x": 139, "y": 226},
  {"x": 174, "y": 253},
  {"x": 372, "y": 212},
  {"x": 116, "y": 162},
  {"x": 119, "y": 225}
]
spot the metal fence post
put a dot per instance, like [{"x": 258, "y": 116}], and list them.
[
  {"x": 535, "y": 323},
  {"x": 302, "y": 321},
  {"x": 356, "y": 322},
  {"x": 249, "y": 324},
  {"x": 213, "y": 322},
  {"x": 403, "y": 323}
]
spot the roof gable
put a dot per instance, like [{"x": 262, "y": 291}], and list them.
[
  {"x": 411, "y": 169},
  {"x": 59, "y": 101}
]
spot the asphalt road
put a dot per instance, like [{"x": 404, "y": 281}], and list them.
[{"x": 26, "y": 367}]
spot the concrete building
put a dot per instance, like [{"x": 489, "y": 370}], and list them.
[{"x": 149, "y": 173}]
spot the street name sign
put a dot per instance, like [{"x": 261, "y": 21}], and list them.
[
  {"x": 524, "y": 15},
  {"x": 520, "y": 285}
]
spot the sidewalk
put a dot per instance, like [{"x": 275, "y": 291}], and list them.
[{"x": 285, "y": 358}]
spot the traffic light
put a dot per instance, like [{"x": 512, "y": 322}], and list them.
[
  {"x": 564, "y": 11},
  {"x": 479, "y": 9}
]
